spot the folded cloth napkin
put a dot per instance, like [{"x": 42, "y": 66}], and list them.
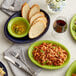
[
  {"x": 18, "y": 72},
  {"x": 11, "y": 6}
]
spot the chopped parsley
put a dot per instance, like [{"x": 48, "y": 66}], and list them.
[
  {"x": 59, "y": 53},
  {"x": 45, "y": 61},
  {"x": 53, "y": 47},
  {"x": 42, "y": 51}
]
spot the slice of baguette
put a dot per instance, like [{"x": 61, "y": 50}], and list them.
[
  {"x": 34, "y": 9},
  {"x": 36, "y": 16},
  {"x": 37, "y": 29},
  {"x": 24, "y": 10},
  {"x": 42, "y": 18}
]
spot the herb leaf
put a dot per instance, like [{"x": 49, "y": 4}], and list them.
[
  {"x": 45, "y": 61},
  {"x": 53, "y": 47},
  {"x": 42, "y": 51},
  {"x": 59, "y": 53}
]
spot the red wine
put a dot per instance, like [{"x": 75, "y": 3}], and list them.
[{"x": 60, "y": 26}]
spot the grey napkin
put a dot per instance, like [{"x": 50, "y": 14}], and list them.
[
  {"x": 11, "y": 6},
  {"x": 18, "y": 72}
]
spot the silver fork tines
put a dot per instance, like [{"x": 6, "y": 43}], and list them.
[{"x": 17, "y": 55}]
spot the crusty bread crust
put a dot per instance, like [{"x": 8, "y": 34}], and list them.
[
  {"x": 45, "y": 20},
  {"x": 34, "y": 16},
  {"x": 41, "y": 30},
  {"x": 42, "y": 13},
  {"x": 35, "y": 5},
  {"x": 38, "y": 21},
  {"x": 23, "y": 8}
]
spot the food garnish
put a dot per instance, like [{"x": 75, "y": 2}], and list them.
[{"x": 49, "y": 54}]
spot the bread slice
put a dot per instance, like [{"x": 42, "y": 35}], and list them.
[
  {"x": 36, "y": 16},
  {"x": 24, "y": 10},
  {"x": 34, "y": 9},
  {"x": 37, "y": 29},
  {"x": 42, "y": 18}
]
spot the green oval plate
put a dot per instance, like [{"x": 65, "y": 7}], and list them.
[
  {"x": 71, "y": 26},
  {"x": 47, "y": 66},
  {"x": 71, "y": 69}
]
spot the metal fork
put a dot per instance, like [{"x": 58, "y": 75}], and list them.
[{"x": 17, "y": 55}]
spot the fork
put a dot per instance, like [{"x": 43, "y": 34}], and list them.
[{"x": 17, "y": 55}]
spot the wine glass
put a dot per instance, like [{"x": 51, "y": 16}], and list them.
[{"x": 59, "y": 26}]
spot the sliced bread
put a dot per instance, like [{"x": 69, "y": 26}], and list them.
[
  {"x": 42, "y": 18},
  {"x": 34, "y": 9},
  {"x": 36, "y": 16},
  {"x": 24, "y": 10},
  {"x": 37, "y": 29}
]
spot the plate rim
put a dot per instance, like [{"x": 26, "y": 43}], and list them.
[
  {"x": 30, "y": 40},
  {"x": 4, "y": 68},
  {"x": 71, "y": 26},
  {"x": 48, "y": 67},
  {"x": 73, "y": 63}
]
